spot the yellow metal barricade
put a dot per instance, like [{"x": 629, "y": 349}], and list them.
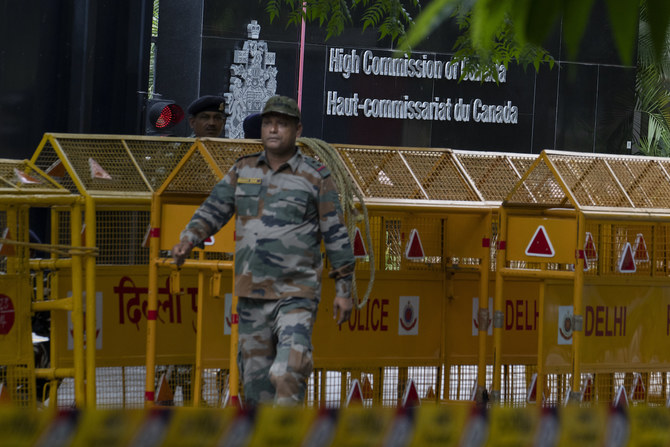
[
  {"x": 95, "y": 238},
  {"x": 592, "y": 231},
  {"x": 440, "y": 202},
  {"x": 446, "y": 199},
  {"x": 412, "y": 326},
  {"x": 539, "y": 279},
  {"x": 24, "y": 187},
  {"x": 216, "y": 319}
]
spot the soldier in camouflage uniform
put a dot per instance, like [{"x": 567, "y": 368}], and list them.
[{"x": 286, "y": 204}]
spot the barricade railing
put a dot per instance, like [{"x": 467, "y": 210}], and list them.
[
  {"x": 77, "y": 185},
  {"x": 610, "y": 212},
  {"x": 427, "y": 198},
  {"x": 590, "y": 230}
]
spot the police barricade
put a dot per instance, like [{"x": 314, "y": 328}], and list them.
[
  {"x": 212, "y": 297},
  {"x": 592, "y": 231},
  {"x": 430, "y": 214},
  {"x": 95, "y": 280},
  {"x": 431, "y": 218},
  {"x": 25, "y": 188}
]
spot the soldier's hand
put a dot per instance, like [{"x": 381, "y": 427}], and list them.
[
  {"x": 343, "y": 306},
  {"x": 180, "y": 251}
]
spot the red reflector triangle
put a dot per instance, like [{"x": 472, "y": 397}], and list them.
[
  {"x": 366, "y": 388},
  {"x": 25, "y": 178},
  {"x": 587, "y": 394},
  {"x": 6, "y": 249},
  {"x": 359, "y": 245},
  {"x": 641, "y": 253},
  {"x": 414, "y": 249},
  {"x": 621, "y": 399},
  {"x": 355, "y": 396},
  {"x": 97, "y": 171},
  {"x": 627, "y": 260},
  {"x": 638, "y": 390},
  {"x": 5, "y": 396},
  {"x": 57, "y": 169},
  {"x": 532, "y": 391},
  {"x": 146, "y": 242},
  {"x": 540, "y": 245},
  {"x": 235, "y": 402},
  {"x": 590, "y": 251},
  {"x": 165, "y": 395},
  {"x": 411, "y": 396}
]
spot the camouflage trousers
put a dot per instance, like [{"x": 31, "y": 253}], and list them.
[{"x": 275, "y": 349}]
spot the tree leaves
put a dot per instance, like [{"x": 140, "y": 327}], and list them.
[
  {"x": 488, "y": 19},
  {"x": 388, "y": 17},
  {"x": 652, "y": 134},
  {"x": 533, "y": 20},
  {"x": 575, "y": 19},
  {"x": 503, "y": 47},
  {"x": 624, "y": 18},
  {"x": 502, "y": 31},
  {"x": 658, "y": 18},
  {"x": 433, "y": 16},
  {"x": 374, "y": 14}
]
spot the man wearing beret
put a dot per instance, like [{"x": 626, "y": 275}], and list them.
[
  {"x": 207, "y": 116},
  {"x": 286, "y": 205}
]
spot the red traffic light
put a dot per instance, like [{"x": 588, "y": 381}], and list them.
[{"x": 165, "y": 114}]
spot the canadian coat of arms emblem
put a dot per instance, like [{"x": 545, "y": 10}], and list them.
[{"x": 253, "y": 81}]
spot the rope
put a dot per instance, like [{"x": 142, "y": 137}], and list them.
[
  {"x": 328, "y": 155},
  {"x": 62, "y": 250}
]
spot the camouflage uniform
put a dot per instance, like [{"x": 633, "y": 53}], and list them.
[
  {"x": 275, "y": 344},
  {"x": 282, "y": 217}
]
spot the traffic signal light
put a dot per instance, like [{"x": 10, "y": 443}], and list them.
[{"x": 162, "y": 115}]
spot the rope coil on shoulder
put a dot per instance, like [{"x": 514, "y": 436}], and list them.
[{"x": 328, "y": 155}]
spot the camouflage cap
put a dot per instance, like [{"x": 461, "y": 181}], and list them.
[{"x": 282, "y": 105}]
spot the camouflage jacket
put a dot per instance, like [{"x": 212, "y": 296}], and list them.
[{"x": 282, "y": 216}]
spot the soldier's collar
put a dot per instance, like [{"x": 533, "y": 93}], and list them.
[{"x": 293, "y": 162}]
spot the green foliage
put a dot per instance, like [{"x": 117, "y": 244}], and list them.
[
  {"x": 657, "y": 15},
  {"x": 505, "y": 48},
  {"x": 334, "y": 14},
  {"x": 388, "y": 17},
  {"x": 374, "y": 14},
  {"x": 489, "y": 37},
  {"x": 435, "y": 13},
  {"x": 624, "y": 18},
  {"x": 502, "y": 31},
  {"x": 272, "y": 9},
  {"x": 533, "y": 21},
  {"x": 652, "y": 134},
  {"x": 575, "y": 18}
]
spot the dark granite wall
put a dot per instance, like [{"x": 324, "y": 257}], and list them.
[{"x": 79, "y": 66}]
